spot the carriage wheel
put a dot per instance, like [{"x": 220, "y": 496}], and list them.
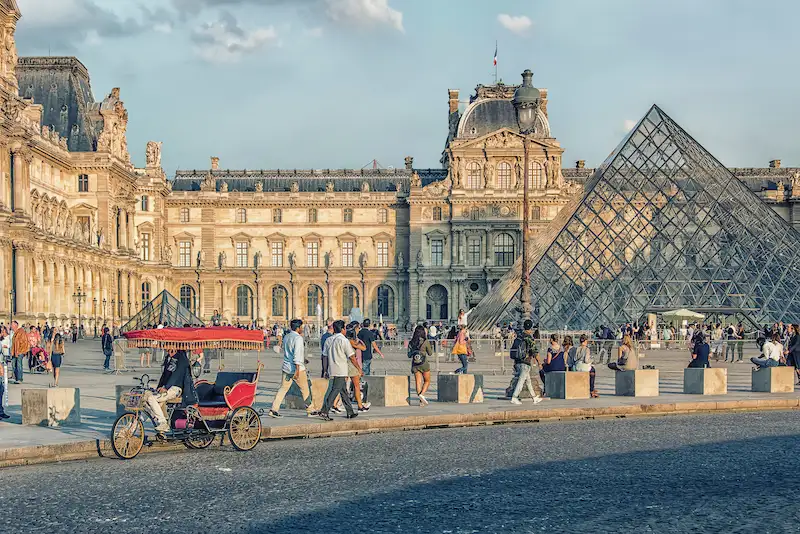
[
  {"x": 244, "y": 428},
  {"x": 127, "y": 436},
  {"x": 199, "y": 442}
]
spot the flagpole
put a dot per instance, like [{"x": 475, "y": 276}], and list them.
[{"x": 495, "y": 62}]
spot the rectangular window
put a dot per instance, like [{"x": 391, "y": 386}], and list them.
[
  {"x": 383, "y": 254},
  {"x": 241, "y": 254},
  {"x": 348, "y": 215},
  {"x": 277, "y": 215},
  {"x": 474, "y": 251},
  {"x": 185, "y": 253},
  {"x": 184, "y": 215},
  {"x": 83, "y": 183},
  {"x": 277, "y": 254},
  {"x": 437, "y": 252},
  {"x": 536, "y": 213},
  {"x": 312, "y": 254},
  {"x": 146, "y": 247},
  {"x": 145, "y": 203},
  {"x": 348, "y": 251}
]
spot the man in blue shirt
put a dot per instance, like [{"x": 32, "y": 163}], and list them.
[
  {"x": 369, "y": 338},
  {"x": 700, "y": 353},
  {"x": 328, "y": 333},
  {"x": 293, "y": 368}
]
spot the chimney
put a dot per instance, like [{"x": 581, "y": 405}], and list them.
[
  {"x": 409, "y": 163},
  {"x": 214, "y": 163},
  {"x": 581, "y": 163},
  {"x": 775, "y": 164},
  {"x": 453, "y": 99}
]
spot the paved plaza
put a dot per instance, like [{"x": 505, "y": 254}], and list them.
[
  {"x": 702, "y": 473},
  {"x": 83, "y": 362}
]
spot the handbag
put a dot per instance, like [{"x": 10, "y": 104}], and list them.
[{"x": 460, "y": 348}]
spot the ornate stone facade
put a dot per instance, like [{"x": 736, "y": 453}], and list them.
[{"x": 405, "y": 244}]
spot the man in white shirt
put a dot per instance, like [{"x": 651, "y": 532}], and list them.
[
  {"x": 293, "y": 369},
  {"x": 772, "y": 351},
  {"x": 338, "y": 350}
]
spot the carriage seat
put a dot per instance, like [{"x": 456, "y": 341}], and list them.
[{"x": 211, "y": 394}]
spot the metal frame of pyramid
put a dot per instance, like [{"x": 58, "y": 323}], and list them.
[
  {"x": 164, "y": 309},
  {"x": 661, "y": 225}
]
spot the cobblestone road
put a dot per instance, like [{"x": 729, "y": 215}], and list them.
[{"x": 703, "y": 473}]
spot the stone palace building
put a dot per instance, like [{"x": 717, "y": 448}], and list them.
[{"x": 84, "y": 231}]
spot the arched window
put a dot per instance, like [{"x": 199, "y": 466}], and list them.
[
  {"x": 503, "y": 175},
  {"x": 348, "y": 215},
  {"x": 504, "y": 250},
  {"x": 241, "y": 215},
  {"x": 474, "y": 213},
  {"x": 280, "y": 301},
  {"x": 187, "y": 297},
  {"x": 277, "y": 215},
  {"x": 385, "y": 301},
  {"x": 314, "y": 297},
  {"x": 349, "y": 299},
  {"x": 536, "y": 175},
  {"x": 145, "y": 293},
  {"x": 383, "y": 215},
  {"x": 474, "y": 178},
  {"x": 437, "y": 213},
  {"x": 312, "y": 215},
  {"x": 243, "y": 298}
]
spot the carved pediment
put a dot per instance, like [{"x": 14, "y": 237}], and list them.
[
  {"x": 309, "y": 238},
  {"x": 146, "y": 226},
  {"x": 505, "y": 138},
  {"x": 346, "y": 237},
  {"x": 240, "y": 237},
  {"x": 184, "y": 236},
  {"x": 382, "y": 237},
  {"x": 83, "y": 207},
  {"x": 276, "y": 237},
  {"x": 436, "y": 234}
]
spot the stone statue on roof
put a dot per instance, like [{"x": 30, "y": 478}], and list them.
[
  {"x": 365, "y": 186},
  {"x": 796, "y": 184},
  {"x": 416, "y": 181},
  {"x": 153, "y": 154},
  {"x": 259, "y": 186},
  {"x": 224, "y": 187},
  {"x": 329, "y": 187}
]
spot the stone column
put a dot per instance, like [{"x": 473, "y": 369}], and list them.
[
  {"x": 129, "y": 225},
  {"x": 4, "y": 286},
  {"x": 21, "y": 279},
  {"x": 366, "y": 301},
  {"x": 292, "y": 298},
  {"x": 488, "y": 247},
  {"x": 22, "y": 160},
  {"x": 328, "y": 304}
]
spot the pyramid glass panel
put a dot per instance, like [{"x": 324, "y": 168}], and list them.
[
  {"x": 166, "y": 310},
  {"x": 661, "y": 225}
]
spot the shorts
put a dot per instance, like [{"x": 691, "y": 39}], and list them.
[
  {"x": 421, "y": 368},
  {"x": 55, "y": 359},
  {"x": 351, "y": 370}
]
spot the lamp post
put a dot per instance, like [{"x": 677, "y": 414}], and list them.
[
  {"x": 526, "y": 103},
  {"x": 94, "y": 315},
  {"x": 256, "y": 265},
  {"x": 11, "y": 296},
  {"x": 105, "y": 302},
  {"x": 79, "y": 296},
  {"x": 113, "y": 313}
]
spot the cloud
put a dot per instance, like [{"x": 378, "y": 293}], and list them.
[
  {"x": 313, "y": 32},
  {"x": 629, "y": 125},
  {"x": 225, "y": 41},
  {"x": 516, "y": 24},
  {"x": 364, "y": 13}
]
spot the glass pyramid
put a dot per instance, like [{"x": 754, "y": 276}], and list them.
[
  {"x": 164, "y": 309},
  {"x": 661, "y": 225}
]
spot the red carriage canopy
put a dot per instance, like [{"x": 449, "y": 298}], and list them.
[{"x": 215, "y": 337}]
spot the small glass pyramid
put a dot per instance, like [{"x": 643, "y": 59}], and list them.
[
  {"x": 661, "y": 225},
  {"x": 164, "y": 309}
]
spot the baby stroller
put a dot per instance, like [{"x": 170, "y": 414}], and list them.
[{"x": 39, "y": 361}]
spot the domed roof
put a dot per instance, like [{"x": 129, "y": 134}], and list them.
[{"x": 487, "y": 115}]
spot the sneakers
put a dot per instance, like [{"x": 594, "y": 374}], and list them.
[
  {"x": 312, "y": 413},
  {"x": 4, "y": 416},
  {"x": 324, "y": 416},
  {"x": 352, "y": 415},
  {"x": 537, "y": 400},
  {"x": 423, "y": 401},
  {"x": 515, "y": 400},
  {"x": 162, "y": 427},
  {"x": 365, "y": 407},
  {"x": 334, "y": 409},
  {"x": 273, "y": 413}
]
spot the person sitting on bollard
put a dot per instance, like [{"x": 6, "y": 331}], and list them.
[
  {"x": 772, "y": 352},
  {"x": 627, "y": 360},
  {"x": 700, "y": 354},
  {"x": 524, "y": 352},
  {"x": 419, "y": 350},
  {"x": 580, "y": 360},
  {"x": 554, "y": 361}
]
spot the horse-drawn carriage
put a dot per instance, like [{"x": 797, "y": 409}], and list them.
[{"x": 224, "y": 407}]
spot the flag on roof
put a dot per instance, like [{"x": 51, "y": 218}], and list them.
[{"x": 495, "y": 54}]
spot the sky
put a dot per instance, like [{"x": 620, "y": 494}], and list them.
[{"x": 267, "y": 84}]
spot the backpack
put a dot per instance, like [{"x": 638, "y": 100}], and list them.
[
  {"x": 417, "y": 357},
  {"x": 518, "y": 352}
]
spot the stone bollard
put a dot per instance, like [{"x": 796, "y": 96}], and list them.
[
  {"x": 773, "y": 380},
  {"x": 705, "y": 381},
  {"x": 638, "y": 383},
  {"x": 294, "y": 399},
  {"x": 389, "y": 390},
  {"x": 463, "y": 389},
  {"x": 51, "y": 406},
  {"x": 567, "y": 385}
]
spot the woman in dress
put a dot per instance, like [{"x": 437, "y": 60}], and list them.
[
  {"x": 420, "y": 350},
  {"x": 56, "y": 357}
]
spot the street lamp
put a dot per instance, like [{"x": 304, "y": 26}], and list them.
[
  {"x": 79, "y": 296},
  {"x": 11, "y": 308},
  {"x": 256, "y": 265},
  {"x": 526, "y": 103},
  {"x": 104, "y": 310},
  {"x": 113, "y": 312},
  {"x": 94, "y": 314}
]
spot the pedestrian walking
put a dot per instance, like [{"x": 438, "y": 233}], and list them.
[
  {"x": 339, "y": 352},
  {"x": 20, "y": 348},
  {"x": 74, "y": 333},
  {"x": 524, "y": 352},
  {"x": 57, "y": 351},
  {"x": 354, "y": 369},
  {"x": 293, "y": 369},
  {"x": 107, "y": 344},
  {"x": 461, "y": 349},
  {"x": 419, "y": 350},
  {"x": 324, "y": 339},
  {"x": 370, "y": 339}
]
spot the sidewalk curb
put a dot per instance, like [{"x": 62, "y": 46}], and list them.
[{"x": 101, "y": 448}]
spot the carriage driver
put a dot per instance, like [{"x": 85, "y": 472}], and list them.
[{"x": 176, "y": 379}]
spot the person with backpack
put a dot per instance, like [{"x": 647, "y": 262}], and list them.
[
  {"x": 107, "y": 344},
  {"x": 419, "y": 350},
  {"x": 524, "y": 352},
  {"x": 56, "y": 357}
]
